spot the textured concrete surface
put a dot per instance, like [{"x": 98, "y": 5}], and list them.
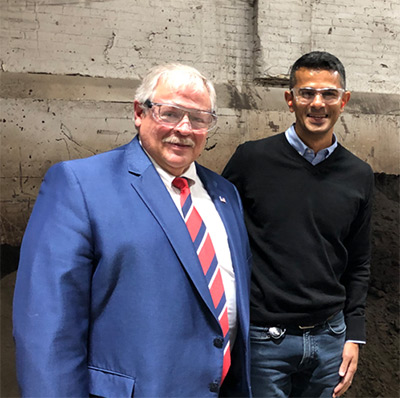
[
  {"x": 362, "y": 33},
  {"x": 229, "y": 40}
]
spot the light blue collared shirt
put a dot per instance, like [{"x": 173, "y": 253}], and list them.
[{"x": 307, "y": 152}]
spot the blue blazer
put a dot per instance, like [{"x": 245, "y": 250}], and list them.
[{"x": 110, "y": 298}]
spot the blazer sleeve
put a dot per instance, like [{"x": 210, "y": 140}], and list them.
[{"x": 52, "y": 293}]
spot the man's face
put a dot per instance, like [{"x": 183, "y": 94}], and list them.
[
  {"x": 316, "y": 118},
  {"x": 173, "y": 148}
]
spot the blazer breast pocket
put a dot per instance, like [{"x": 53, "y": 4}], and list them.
[{"x": 105, "y": 383}]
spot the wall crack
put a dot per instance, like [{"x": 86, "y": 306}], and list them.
[{"x": 109, "y": 46}]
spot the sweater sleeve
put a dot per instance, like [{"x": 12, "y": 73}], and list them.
[{"x": 356, "y": 277}]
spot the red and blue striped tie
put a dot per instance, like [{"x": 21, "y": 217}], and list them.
[{"x": 208, "y": 260}]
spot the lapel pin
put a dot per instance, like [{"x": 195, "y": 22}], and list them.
[{"x": 222, "y": 199}]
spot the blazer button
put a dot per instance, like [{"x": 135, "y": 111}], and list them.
[
  {"x": 214, "y": 387},
  {"x": 219, "y": 342}
]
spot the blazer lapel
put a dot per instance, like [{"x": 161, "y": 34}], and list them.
[
  {"x": 220, "y": 200},
  {"x": 151, "y": 189}
]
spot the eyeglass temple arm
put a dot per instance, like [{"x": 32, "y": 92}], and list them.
[{"x": 148, "y": 103}]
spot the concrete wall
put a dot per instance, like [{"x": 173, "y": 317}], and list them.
[
  {"x": 69, "y": 71},
  {"x": 363, "y": 34}
]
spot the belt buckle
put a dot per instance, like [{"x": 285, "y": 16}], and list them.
[
  {"x": 276, "y": 333},
  {"x": 306, "y": 327}
]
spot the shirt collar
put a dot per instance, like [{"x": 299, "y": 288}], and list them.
[
  {"x": 301, "y": 147},
  {"x": 190, "y": 174}
]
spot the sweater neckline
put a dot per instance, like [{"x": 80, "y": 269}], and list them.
[{"x": 303, "y": 161}]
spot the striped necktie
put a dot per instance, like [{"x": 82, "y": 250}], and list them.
[{"x": 208, "y": 260}]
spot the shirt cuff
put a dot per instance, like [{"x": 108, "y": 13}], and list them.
[{"x": 356, "y": 341}]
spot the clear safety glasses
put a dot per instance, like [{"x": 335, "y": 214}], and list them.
[
  {"x": 171, "y": 115},
  {"x": 306, "y": 95}
]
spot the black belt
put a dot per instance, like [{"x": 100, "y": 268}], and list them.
[
  {"x": 276, "y": 332},
  {"x": 308, "y": 327}
]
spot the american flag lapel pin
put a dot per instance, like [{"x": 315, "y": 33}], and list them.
[{"x": 222, "y": 199}]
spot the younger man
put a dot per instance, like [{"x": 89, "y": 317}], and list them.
[{"x": 307, "y": 203}]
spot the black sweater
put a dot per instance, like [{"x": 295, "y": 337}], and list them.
[{"x": 309, "y": 230}]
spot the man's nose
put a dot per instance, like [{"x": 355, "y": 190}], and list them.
[
  {"x": 184, "y": 126},
  {"x": 318, "y": 100}
]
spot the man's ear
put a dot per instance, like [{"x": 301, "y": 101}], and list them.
[
  {"x": 138, "y": 113},
  {"x": 289, "y": 100},
  {"x": 345, "y": 100}
]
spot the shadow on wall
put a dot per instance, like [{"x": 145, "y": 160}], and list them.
[
  {"x": 378, "y": 371},
  {"x": 9, "y": 262}
]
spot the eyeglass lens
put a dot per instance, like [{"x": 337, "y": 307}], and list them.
[{"x": 173, "y": 115}]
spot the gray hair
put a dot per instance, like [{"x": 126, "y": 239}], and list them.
[{"x": 177, "y": 76}]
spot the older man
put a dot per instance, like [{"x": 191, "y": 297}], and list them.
[{"x": 134, "y": 270}]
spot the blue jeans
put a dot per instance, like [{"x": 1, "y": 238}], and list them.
[{"x": 299, "y": 364}]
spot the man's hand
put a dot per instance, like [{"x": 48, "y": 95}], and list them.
[{"x": 347, "y": 368}]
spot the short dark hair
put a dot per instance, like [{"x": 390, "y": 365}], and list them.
[{"x": 318, "y": 60}]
